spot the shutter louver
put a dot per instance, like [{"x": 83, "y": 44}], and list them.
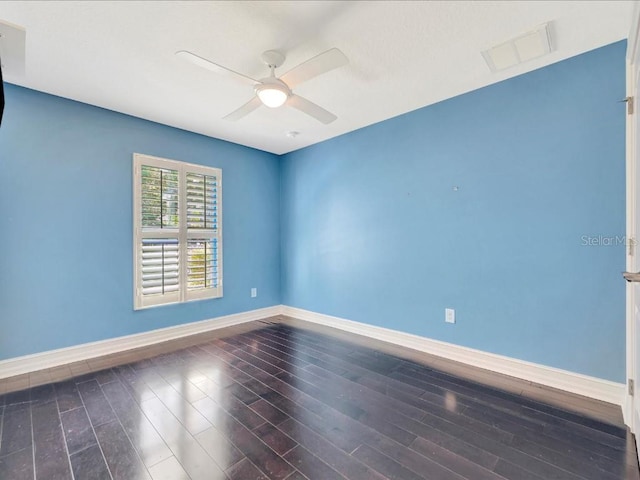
[
  {"x": 160, "y": 265},
  {"x": 202, "y": 201},
  {"x": 159, "y": 197},
  {"x": 202, "y": 263}
]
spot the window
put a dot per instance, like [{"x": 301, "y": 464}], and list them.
[{"x": 177, "y": 230}]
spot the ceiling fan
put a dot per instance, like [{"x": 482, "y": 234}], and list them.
[{"x": 275, "y": 91}]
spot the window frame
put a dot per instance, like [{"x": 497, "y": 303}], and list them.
[{"x": 183, "y": 234}]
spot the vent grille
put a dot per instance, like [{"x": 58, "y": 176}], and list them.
[{"x": 524, "y": 48}]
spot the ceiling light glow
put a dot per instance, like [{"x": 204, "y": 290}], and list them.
[{"x": 272, "y": 96}]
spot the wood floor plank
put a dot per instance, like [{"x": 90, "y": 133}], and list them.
[
  {"x": 260, "y": 454},
  {"x": 519, "y": 423},
  {"x": 223, "y": 452},
  {"x": 245, "y": 470},
  {"x": 273, "y": 401},
  {"x": 466, "y": 368},
  {"x": 338, "y": 401},
  {"x": 16, "y": 431},
  {"x": 549, "y": 471},
  {"x": 89, "y": 464},
  {"x": 392, "y": 390},
  {"x": 445, "y": 413},
  {"x": 119, "y": 453},
  {"x": 49, "y": 449},
  {"x": 497, "y": 398},
  {"x": 480, "y": 472},
  {"x": 96, "y": 404},
  {"x": 138, "y": 390},
  {"x": 168, "y": 469},
  {"x": 306, "y": 410},
  {"x": 452, "y": 461},
  {"x": 67, "y": 396},
  {"x": 193, "y": 458},
  {"x": 77, "y": 430},
  {"x": 193, "y": 421},
  {"x": 572, "y": 463},
  {"x": 310, "y": 465},
  {"x": 516, "y": 417},
  {"x": 149, "y": 445},
  {"x": 267, "y": 411},
  {"x": 479, "y": 442},
  {"x": 339, "y": 460},
  {"x": 18, "y": 465},
  {"x": 218, "y": 400},
  {"x": 388, "y": 466},
  {"x": 277, "y": 440}
]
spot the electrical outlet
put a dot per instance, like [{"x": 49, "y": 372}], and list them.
[
  {"x": 449, "y": 315},
  {"x": 254, "y": 292}
]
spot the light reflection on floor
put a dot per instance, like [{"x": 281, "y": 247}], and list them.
[{"x": 450, "y": 401}]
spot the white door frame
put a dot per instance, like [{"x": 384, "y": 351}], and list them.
[{"x": 633, "y": 189}]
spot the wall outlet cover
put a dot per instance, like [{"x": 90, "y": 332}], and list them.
[{"x": 449, "y": 315}]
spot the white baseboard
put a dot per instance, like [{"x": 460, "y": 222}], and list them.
[
  {"x": 553, "y": 377},
  {"x": 585, "y": 385},
  {"x": 87, "y": 351}
]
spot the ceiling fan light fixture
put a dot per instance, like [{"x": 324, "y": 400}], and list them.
[
  {"x": 274, "y": 92},
  {"x": 272, "y": 95}
]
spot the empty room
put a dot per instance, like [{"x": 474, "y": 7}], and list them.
[{"x": 289, "y": 240}]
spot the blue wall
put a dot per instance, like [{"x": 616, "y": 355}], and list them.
[
  {"x": 373, "y": 231},
  {"x": 366, "y": 226},
  {"x": 66, "y": 215}
]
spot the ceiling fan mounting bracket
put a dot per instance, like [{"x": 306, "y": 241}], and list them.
[{"x": 273, "y": 58}]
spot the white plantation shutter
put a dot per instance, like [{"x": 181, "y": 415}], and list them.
[
  {"x": 177, "y": 231},
  {"x": 159, "y": 197},
  {"x": 202, "y": 201},
  {"x": 202, "y": 232},
  {"x": 160, "y": 265},
  {"x": 202, "y": 263}
]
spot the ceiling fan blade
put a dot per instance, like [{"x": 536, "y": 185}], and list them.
[
  {"x": 214, "y": 67},
  {"x": 315, "y": 66},
  {"x": 245, "y": 109},
  {"x": 311, "y": 109}
]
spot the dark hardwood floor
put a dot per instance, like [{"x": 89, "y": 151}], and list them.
[{"x": 280, "y": 402}]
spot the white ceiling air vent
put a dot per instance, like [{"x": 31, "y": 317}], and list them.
[
  {"x": 521, "y": 49},
  {"x": 12, "y": 47}
]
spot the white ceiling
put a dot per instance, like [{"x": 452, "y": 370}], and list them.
[{"x": 403, "y": 56}]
